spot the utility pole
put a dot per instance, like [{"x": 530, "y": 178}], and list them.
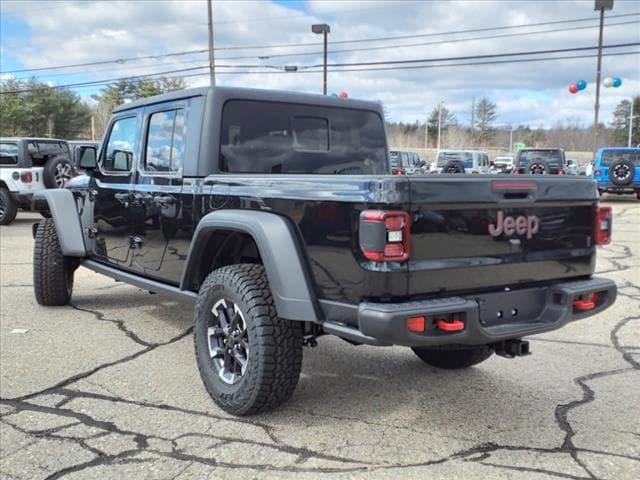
[
  {"x": 93, "y": 127},
  {"x": 601, "y": 5},
  {"x": 439, "y": 123},
  {"x": 473, "y": 118},
  {"x": 212, "y": 67},
  {"x": 426, "y": 133},
  {"x": 630, "y": 122},
  {"x": 511, "y": 141}
]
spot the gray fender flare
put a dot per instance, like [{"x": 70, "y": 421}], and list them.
[
  {"x": 64, "y": 211},
  {"x": 284, "y": 264}
]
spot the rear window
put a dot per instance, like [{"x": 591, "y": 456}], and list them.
[
  {"x": 609, "y": 156},
  {"x": 269, "y": 137},
  {"x": 41, "y": 152},
  {"x": 8, "y": 153},
  {"x": 551, "y": 157},
  {"x": 465, "y": 158}
]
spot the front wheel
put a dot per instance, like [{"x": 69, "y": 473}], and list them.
[
  {"x": 453, "y": 357},
  {"x": 249, "y": 359},
  {"x": 52, "y": 271},
  {"x": 8, "y": 208}
]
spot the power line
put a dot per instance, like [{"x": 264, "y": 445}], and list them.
[
  {"x": 474, "y": 57},
  {"x": 310, "y": 70},
  {"x": 437, "y": 42},
  {"x": 198, "y": 51}
]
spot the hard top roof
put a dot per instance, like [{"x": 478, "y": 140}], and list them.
[{"x": 228, "y": 93}]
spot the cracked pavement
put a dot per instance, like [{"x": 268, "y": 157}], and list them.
[{"x": 108, "y": 388}]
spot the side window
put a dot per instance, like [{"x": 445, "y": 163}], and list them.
[
  {"x": 121, "y": 147},
  {"x": 165, "y": 141},
  {"x": 8, "y": 153}
]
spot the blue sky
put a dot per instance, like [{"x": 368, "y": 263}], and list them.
[{"x": 71, "y": 31}]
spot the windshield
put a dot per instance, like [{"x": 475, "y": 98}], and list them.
[
  {"x": 466, "y": 158},
  {"x": 552, "y": 157},
  {"x": 609, "y": 156}
]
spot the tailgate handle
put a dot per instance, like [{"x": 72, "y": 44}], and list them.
[{"x": 514, "y": 189}]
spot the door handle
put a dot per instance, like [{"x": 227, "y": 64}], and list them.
[{"x": 165, "y": 200}]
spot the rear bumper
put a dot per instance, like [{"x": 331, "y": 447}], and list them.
[
  {"x": 23, "y": 200},
  {"x": 487, "y": 317},
  {"x": 610, "y": 187}
]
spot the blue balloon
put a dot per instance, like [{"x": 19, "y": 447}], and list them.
[
  {"x": 334, "y": 94},
  {"x": 581, "y": 84},
  {"x": 616, "y": 82}
]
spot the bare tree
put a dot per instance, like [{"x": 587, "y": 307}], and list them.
[{"x": 485, "y": 115}]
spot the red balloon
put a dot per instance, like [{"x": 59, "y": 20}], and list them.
[
  {"x": 344, "y": 94},
  {"x": 573, "y": 88}
]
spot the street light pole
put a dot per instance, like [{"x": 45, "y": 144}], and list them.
[
  {"x": 601, "y": 5},
  {"x": 630, "y": 122},
  {"x": 212, "y": 68},
  {"x": 511, "y": 141},
  {"x": 439, "y": 123},
  {"x": 324, "y": 29}
]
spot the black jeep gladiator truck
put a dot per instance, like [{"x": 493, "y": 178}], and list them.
[{"x": 277, "y": 215}]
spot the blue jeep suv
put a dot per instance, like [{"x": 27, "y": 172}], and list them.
[{"x": 617, "y": 170}]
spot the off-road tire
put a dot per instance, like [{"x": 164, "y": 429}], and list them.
[
  {"x": 454, "y": 166},
  {"x": 52, "y": 271},
  {"x": 275, "y": 345},
  {"x": 453, "y": 357},
  {"x": 8, "y": 208}
]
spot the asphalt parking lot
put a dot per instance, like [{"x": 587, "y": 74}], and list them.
[{"x": 108, "y": 388}]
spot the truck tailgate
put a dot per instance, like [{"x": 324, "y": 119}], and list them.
[{"x": 482, "y": 232}]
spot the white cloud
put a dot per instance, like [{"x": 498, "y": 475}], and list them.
[{"x": 526, "y": 93}]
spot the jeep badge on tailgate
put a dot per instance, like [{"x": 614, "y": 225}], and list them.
[{"x": 521, "y": 225}]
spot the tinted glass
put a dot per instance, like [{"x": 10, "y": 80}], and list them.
[
  {"x": 266, "y": 137},
  {"x": 8, "y": 153},
  {"x": 609, "y": 156},
  {"x": 552, "y": 157},
  {"x": 311, "y": 133},
  {"x": 41, "y": 152},
  {"x": 165, "y": 141},
  {"x": 120, "y": 151},
  {"x": 466, "y": 158}
]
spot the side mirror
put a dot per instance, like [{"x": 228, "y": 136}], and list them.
[
  {"x": 423, "y": 163},
  {"x": 87, "y": 158}
]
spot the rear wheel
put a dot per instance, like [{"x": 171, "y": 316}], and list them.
[
  {"x": 452, "y": 357},
  {"x": 249, "y": 359},
  {"x": 52, "y": 271},
  {"x": 8, "y": 208}
]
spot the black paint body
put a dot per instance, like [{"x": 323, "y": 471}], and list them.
[{"x": 145, "y": 221}]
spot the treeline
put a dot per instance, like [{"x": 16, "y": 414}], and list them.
[
  {"x": 36, "y": 109},
  {"x": 570, "y": 134},
  {"x": 33, "y": 108}
]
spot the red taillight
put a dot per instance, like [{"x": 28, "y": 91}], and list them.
[
  {"x": 385, "y": 235},
  {"x": 560, "y": 171},
  {"x": 602, "y": 227},
  {"x": 26, "y": 177}
]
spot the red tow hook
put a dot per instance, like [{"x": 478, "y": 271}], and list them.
[
  {"x": 450, "y": 325},
  {"x": 587, "y": 302}
]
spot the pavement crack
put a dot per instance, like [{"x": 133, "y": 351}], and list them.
[{"x": 119, "y": 323}]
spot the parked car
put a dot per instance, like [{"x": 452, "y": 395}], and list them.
[
  {"x": 285, "y": 225},
  {"x": 503, "y": 164},
  {"x": 79, "y": 148},
  {"x": 540, "y": 161},
  {"x": 617, "y": 170},
  {"x": 28, "y": 165},
  {"x": 407, "y": 163},
  {"x": 572, "y": 167},
  {"x": 462, "y": 161}
]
